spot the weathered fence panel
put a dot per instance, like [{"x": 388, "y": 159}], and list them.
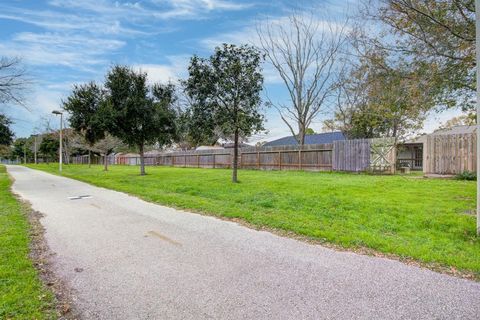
[
  {"x": 376, "y": 155},
  {"x": 450, "y": 154},
  {"x": 383, "y": 155},
  {"x": 308, "y": 157},
  {"x": 351, "y": 155}
]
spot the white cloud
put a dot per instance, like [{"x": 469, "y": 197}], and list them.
[
  {"x": 79, "y": 51},
  {"x": 161, "y": 9},
  {"x": 158, "y": 73},
  {"x": 175, "y": 69},
  {"x": 194, "y": 8}
]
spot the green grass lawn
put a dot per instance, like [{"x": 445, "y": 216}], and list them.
[
  {"x": 429, "y": 220},
  {"x": 22, "y": 295}
]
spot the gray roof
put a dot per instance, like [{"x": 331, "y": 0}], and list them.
[
  {"x": 456, "y": 130},
  {"x": 317, "y": 138},
  {"x": 452, "y": 130}
]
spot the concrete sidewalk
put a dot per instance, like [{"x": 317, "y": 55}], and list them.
[{"x": 144, "y": 261}]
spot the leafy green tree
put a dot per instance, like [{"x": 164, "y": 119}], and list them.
[
  {"x": 309, "y": 131},
  {"x": 140, "y": 114},
  {"x": 198, "y": 115},
  {"x": 87, "y": 116},
  {"x": 436, "y": 36},
  {"x": 381, "y": 99},
  {"x": 6, "y": 134},
  {"x": 21, "y": 148},
  {"x": 225, "y": 90},
  {"x": 49, "y": 147}
]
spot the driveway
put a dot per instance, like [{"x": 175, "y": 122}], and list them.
[{"x": 139, "y": 260}]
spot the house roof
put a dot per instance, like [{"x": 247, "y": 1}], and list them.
[
  {"x": 452, "y": 130},
  {"x": 455, "y": 130},
  {"x": 317, "y": 138}
]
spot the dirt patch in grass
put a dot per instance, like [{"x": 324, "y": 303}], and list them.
[{"x": 41, "y": 256}]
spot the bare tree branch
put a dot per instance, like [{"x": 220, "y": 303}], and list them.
[
  {"x": 13, "y": 81},
  {"x": 304, "y": 51}
]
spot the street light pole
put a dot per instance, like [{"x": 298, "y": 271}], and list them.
[
  {"x": 477, "y": 51},
  {"x": 61, "y": 139},
  {"x": 35, "y": 149}
]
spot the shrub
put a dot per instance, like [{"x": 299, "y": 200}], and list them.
[{"x": 466, "y": 175}]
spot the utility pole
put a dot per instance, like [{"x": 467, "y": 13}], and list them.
[
  {"x": 61, "y": 139},
  {"x": 35, "y": 148},
  {"x": 25, "y": 152},
  {"x": 477, "y": 52}
]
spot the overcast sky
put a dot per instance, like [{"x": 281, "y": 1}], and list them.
[{"x": 63, "y": 42}]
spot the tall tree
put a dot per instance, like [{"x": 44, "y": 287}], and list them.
[
  {"x": 6, "y": 134},
  {"x": 381, "y": 99},
  {"x": 225, "y": 90},
  {"x": 22, "y": 148},
  {"x": 304, "y": 51},
  {"x": 140, "y": 114},
  {"x": 49, "y": 147},
  {"x": 437, "y": 35},
  {"x": 87, "y": 115}
]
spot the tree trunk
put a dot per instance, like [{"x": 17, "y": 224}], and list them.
[
  {"x": 301, "y": 136},
  {"x": 142, "y": 160},
  {"x": 235, "y": 158},
  {"x": 105, "y": 162},
  {"x": 89, "y": 158}
]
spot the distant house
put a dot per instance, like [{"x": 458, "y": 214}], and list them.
[{"x": 317, "y": 138}]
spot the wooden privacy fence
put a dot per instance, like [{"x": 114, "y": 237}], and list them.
[
  {"x": 376, "y": 155},
  {"x": 349, "y": 155},
  {"x": 309, "y": 157},
  {"x": 450, "y": 154}
]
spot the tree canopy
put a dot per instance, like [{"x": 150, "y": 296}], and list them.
[
  {"x": 224, "y": 90},
  {"x": 49, "y": 147},
  {"x": 381, "y": 99},
  {"x": 6, "y": 134},
  {"x": 140, "y": 114},
  {"x": 437, "y": 36},
  {"x": 85, "y": 108}
]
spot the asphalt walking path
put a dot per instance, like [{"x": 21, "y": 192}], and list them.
[{"x": 125, "y": 258}]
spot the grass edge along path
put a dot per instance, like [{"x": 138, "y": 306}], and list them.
[
  {"x": 22, "y": 293},
  {"x": 421, "y": 221}
]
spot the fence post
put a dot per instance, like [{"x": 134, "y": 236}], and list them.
[
  {"x": 184, "y": 160},
  {"x": 258, "y": 160},
  {"x": 214, "y": 161},
  {"x": 198, "y": 161},
  {"x": 280, "y": 160},
  {"x": 173, "y": 160}
]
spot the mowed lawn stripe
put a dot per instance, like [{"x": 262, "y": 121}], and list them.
[{"x": 430, "y": 220}]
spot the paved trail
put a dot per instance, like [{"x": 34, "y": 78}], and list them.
[{"x": 145, "y": 261}]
